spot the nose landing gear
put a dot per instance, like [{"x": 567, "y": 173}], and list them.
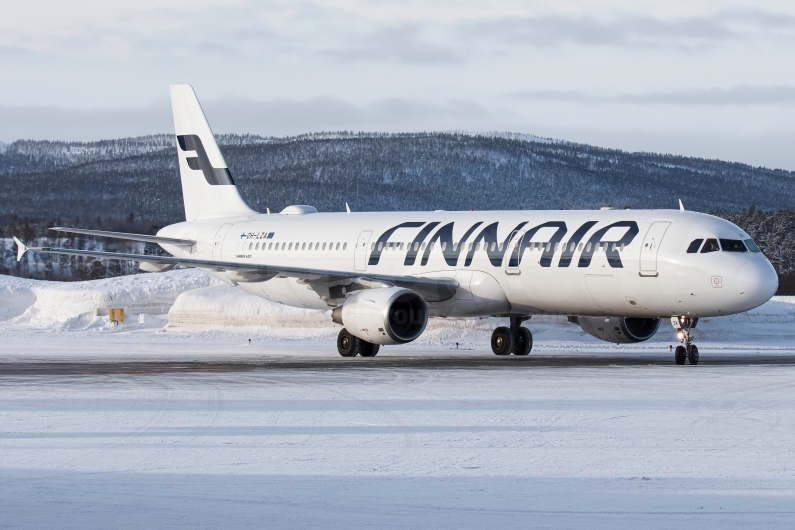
[
  {"x": 687, "y": 351},
  {"x": 516, "y": 339}
]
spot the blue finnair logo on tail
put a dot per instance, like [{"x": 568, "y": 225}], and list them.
[{"x": 214, "y": 176}]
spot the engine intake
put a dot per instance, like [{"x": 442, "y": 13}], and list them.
[
  {"x": 619, "y": 330},
  {"x": 390, "y": 315}
]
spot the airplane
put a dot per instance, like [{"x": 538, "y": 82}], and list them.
[{"x": 616, "y": 273}]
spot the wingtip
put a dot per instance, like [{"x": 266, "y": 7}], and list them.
[{"x": 21, "y": 248}]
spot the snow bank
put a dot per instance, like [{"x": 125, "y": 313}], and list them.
[
  {"x": 77, "y": 305},
  {"x": 219, "y": 306}
]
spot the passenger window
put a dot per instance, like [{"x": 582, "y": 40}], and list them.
[
  {"x": 344, "y": 246},
  {"x": 338, "y": 246},
  {"x": 732, "y": 245},
  {"x": 256, "y": 247},
  {"x": 694, "y": 246},
  {"x": 751, "y": 245},
  {"x": 444, "y": 247},
  {"x": 710, "y": 246}
]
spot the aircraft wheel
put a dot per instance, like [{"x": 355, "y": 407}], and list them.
[
  {"x": 502, "y": 341},
  {"x": 347, "y": 344},
  {"x": 680, "y": 354},
  {"x": 522, "y": 342},
  {"x": 692, "y": 354},
  {"x": 368, "y": 349}
]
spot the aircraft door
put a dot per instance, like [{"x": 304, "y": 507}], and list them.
[
  {"x": 360, "y": 254},
  {"x": 651, "y": 246},
  {"x": 218, "y": 244}
]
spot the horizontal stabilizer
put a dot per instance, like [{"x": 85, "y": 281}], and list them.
[
  {"x": 21, "y": 248},
  {"x": 131, "y": 237}
]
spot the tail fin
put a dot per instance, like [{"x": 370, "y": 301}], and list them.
[{"x": 207, "y": 186}]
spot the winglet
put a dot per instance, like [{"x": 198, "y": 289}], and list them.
[
  {"x": 347, "y": 208},
  {"x": 21, "y": 248},
  {"x": 681, "y": 206}
]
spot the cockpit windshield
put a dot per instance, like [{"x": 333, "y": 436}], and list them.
[
  {"x": 726, "y": 245},
  {"x": 710, "y": 246},
  {"x": 732, "y": 245},
  {"x": 751, "y": 245}
]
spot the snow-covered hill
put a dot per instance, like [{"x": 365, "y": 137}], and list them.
[{"x": 422, "y": 171}]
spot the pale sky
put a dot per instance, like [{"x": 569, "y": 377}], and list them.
[{"x": 702, "y": 78}]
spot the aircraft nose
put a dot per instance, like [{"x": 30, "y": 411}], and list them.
[{"x": 757, "y": 282}]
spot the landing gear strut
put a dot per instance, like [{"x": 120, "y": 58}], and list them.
[
  {"x": 516, "y": 339},
  {"x": 686, "y": 351}
]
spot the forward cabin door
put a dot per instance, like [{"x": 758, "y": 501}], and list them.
[
  {"x": 650, "y": 248},
  {"x": 218, "y": 244},
  {"x": 360, "y": 254}
]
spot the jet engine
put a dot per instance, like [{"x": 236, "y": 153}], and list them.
[
  {"x": 389, "y": 315},
  {"x": 619, "y": 330}
]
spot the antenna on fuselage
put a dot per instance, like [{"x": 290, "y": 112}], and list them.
[
  {"x": 268, "y": 210},
  {"x": 347, "y": 208},
  {"x": 681, "y": 206}
]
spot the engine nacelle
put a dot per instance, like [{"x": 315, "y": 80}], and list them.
[
  {"x": 390, "y": 315},
  {"x": 618, "y": 330}
]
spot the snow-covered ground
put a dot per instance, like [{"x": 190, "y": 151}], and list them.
[
  {"x": 169, "y": 306},
  {"x": 626, "y": 445}
]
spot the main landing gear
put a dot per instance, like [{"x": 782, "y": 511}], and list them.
[
  {"x": 350, "y": 346},
  {"x": 516, "y": 339},
  {"x": 686, "y": 351}
]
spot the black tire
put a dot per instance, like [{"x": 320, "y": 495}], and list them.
[
  {"x": 522, "y": 341},
  {"x": 347, "y": 344},
  {"x": 502, "y": 341},
  {"x": 680, "y": 355},
  {"x": 692, "y": 354},
  {"x": 368, "y": 349}
]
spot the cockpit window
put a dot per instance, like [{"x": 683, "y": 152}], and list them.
[
  {"x": 710, "y": 246},
  {"x": 694, "y": 246},
  {"x": 733, "y": 245},
  {"x": 751, "y": 245}
]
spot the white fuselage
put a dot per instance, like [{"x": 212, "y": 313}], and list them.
[{"x": 564, "y": 262}]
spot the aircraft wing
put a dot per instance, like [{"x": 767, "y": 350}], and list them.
[
  {"x": 123, "y": 235},
  {"x": 321, "y": 280}
]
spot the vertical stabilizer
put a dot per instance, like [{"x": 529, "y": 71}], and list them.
[{"x": 208, "y": 189}]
